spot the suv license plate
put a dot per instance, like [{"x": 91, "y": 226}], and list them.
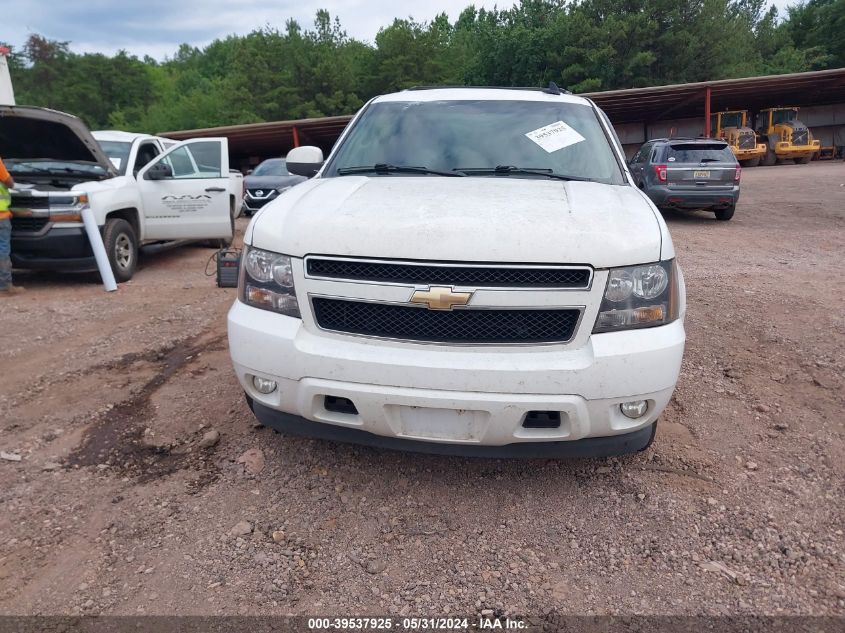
[{"x": 701, "y": 174}]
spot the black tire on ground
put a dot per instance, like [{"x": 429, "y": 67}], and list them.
[
  {"x": 803, "y": 160},
  {"x": 121, "y": 248},
  {"x": 751, "y": 162},
  {"x": 724, "y": 215},
  {"x": 769, "y": 158},
  {"x": 650, "y": 439}
]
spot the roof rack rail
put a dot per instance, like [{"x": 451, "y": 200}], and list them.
[{"x": 552, "y": 88}]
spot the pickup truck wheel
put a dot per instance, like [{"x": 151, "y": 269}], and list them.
[
  {"x": 724, "y": 215},
  {"x": 122, "y": 248}
]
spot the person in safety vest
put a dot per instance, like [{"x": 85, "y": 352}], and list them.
[{"x": 6, "y": 183}]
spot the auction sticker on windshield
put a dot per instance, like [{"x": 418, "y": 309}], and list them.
[{"x": 555, "y": 136}]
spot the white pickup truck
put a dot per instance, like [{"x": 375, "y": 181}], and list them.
[
  {"x": 142, "y": 189},
  {"x": 472, "y": 271}
]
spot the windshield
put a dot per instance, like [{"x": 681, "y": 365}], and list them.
[
  {"x": 118, "y": 153},
  {"x": 782, "y": 116},
  {"x": 698, "y": 153},
  {"x": 274, "y": 167},
  {"x": 562, "y": 138},
  {"x": 732, "y": 119},
  {"x": 49, "y": 166}
]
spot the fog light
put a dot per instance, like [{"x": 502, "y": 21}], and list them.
[
  {"x": 634, "y": 409},
  {"x": 262, "y": 385}
]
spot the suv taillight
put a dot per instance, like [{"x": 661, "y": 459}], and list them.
[
  {"x": 738, "y": 173},
  {"x": 660, "y": 172}
]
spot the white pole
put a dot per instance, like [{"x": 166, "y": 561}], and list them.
[
  {"x": 99, "y": 249},
  {"x": 7, "y": 94}
]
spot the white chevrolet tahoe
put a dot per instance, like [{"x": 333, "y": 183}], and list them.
[
  {"x": 139, "y": 189},
  {"x": 472, "y": 271}
]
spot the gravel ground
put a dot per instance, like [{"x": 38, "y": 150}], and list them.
[{"x": 145, "y": 487}]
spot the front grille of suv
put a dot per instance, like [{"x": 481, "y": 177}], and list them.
[
  {"x": 256, "y": 201},
  {"x": 514, "y": 276},
  {"x": 461, "y": 326}
]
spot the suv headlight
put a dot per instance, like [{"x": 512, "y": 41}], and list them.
[
  {"x": 267, "y": 282},
  {"x": 639, "y": 296}
]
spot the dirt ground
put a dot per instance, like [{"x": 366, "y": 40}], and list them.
[{"x": 116, "y": 507}]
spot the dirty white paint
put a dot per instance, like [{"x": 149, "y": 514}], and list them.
[{"x": 462, "y": 219}]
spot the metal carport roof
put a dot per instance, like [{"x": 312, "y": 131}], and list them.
[
  {"x": 622, "y": 106},
  {"x": 750, "y": 93}
]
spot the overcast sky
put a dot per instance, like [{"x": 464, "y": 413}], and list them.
[{"x": 157, "y": 27}]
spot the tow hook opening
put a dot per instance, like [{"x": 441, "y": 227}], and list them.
[
  {"x": 336, "y": 404},
  {"x": 542, "y": 420}
]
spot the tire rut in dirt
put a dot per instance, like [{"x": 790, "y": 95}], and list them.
[{"x": 115, "y": 437}]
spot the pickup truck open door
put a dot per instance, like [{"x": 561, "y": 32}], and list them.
[{"x": 185, "y": 192}]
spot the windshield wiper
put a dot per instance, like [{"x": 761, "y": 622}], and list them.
[
  {"x": 384, "y": 169},
  {"x": 507, "y": 170},
  {"x": 20, "y": 168}
]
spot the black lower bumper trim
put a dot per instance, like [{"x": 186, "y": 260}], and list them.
[
  {"x": 64, "y": 249},
  {"x": 589, "y": 447}
]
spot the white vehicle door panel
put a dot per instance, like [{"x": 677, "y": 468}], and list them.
[{"x": 193, "y": 201}]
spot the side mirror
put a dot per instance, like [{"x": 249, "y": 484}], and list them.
[
  {"x": 159, "y": 171},
  {"x": 305, "y": 161},
  {"x": 248, "y": 172}
]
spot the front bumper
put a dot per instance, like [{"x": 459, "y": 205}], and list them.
[
  {"x": 465, "y": 397},
  {"x": 55, "y": 248},
  {"x": 587, "y": 447},
  {"x": 665, "y": 197},
  {"x": 787, "y": 150},
  {"x": 751, "y": 153}
]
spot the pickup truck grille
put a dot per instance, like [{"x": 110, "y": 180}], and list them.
[
  {"x": 28, "y": 225},
  {"x": 30, "y": 202},
  {"x": 461, "y": 326},
  {"x": 450, "y": 274}
]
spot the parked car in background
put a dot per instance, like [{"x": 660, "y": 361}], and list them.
[
  {"x": 684, "y": 173},
  {"x": 266, "y": 182},
  {"x": 127, "y": 148},
  {"x": 151, "y": 194},
  {"x": 472, "y": 271}
]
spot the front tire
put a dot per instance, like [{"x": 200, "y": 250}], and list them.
[
  {"x": 803, "y": 160},
  {"x": 651, "y": 437},
  {"x": 769, "y": 158},
  {"x": 751, "y": 162},
  {"x": 723, "y": 215},
  {"x": 121, "y": 248}
]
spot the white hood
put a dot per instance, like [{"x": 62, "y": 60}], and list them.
[{"x": 490, "y": 219}]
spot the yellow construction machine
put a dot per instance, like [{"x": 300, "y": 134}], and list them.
[
  {"x": 785, "y": 136},
  {"x": 732, "y": 125}
]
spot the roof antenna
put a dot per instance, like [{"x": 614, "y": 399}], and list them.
[{"x": 552, "y": 89}]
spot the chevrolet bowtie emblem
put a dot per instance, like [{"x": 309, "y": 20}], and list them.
[{"x": 440, "y": 298}]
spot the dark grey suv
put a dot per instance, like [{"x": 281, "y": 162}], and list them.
[
  {"x": 266, "y": 182},
  {"x": 688, "y": 174}
]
